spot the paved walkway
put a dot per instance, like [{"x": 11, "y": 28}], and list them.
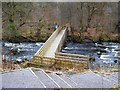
[
  {"x": 20, "y": 79},
  {"x": 27, "y": 78},
  {"x": 52, "y": 49}
]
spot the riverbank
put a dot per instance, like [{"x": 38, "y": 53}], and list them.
[
  {"x": 21, "y": 39},
  {"x": 91, "y": 35},
  {"x": 9, "y": 66},
  {"x": 75, "y": 39}
]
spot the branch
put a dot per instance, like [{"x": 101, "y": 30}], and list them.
[
  {"x": 24, "y": 22},
  {"x": 5, "y": 11}
]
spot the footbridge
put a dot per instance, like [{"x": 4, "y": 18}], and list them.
[{"x": 49, "y": 54}]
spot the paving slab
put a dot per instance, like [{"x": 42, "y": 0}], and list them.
[
  {"x": 62, "y": 83},
  {"x": 91, "y": 80},
  {"x": 69, "y": 81},
  {"x": 20, "y": 79},
  {"x": 45, "y": 79}
]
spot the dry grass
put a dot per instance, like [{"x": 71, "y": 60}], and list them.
[{"x": 9, "y": 65}]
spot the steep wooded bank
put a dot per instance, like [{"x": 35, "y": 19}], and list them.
[{"x": 34, "y": 21}]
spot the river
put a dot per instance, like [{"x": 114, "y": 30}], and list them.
[
  {"x": 22, "y": 51},
  {"x": 104, "y": 52}
]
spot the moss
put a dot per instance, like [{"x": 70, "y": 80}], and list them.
[{"x": 12, "y": 26}]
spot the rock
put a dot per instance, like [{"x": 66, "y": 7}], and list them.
[{"x": 19, "y": 60}]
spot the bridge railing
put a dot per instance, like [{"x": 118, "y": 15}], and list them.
[
  {"x": 62, "y": 41},
  {"x": 47, "y": 44},
  {"x": 75, "y": 57},
  {"x": 61, "y": 63}
]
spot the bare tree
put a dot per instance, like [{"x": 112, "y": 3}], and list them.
[
  {"x": 80, "y": 18},
  {"x": 17, "y": 15},
  {"x": 92, "y": 9}
]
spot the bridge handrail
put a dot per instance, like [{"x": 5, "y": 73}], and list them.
[
  {"x": 47, "y": 44},
  {"x": 61, "y": 41},
  {"x": 71, "y": 56}
]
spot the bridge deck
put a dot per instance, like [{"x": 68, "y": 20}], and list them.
[{"x": 52, "y": 49}]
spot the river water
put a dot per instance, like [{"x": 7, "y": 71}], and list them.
[
  {"x": 104, "y": 52},
  {"x": 24, "y": 51}
]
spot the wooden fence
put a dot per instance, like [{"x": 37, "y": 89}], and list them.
[
  {"x": 61, "y": 63},
  {"x": 75, "y": 57}
]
